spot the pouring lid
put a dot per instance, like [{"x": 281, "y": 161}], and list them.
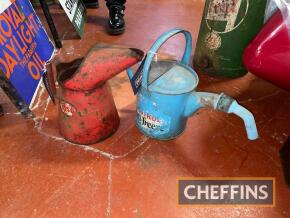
[
  {"x": 101, "y": 64},
  {"x": 179, "y": 79}
]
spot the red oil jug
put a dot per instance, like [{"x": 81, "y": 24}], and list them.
[
  {"x": 268, "y": 55},
  {"x": 87, "y": 112}
]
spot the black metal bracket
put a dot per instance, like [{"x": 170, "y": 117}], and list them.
[
  {"x": 14, "y": 96},
  {"x": 50, "y": 23}
]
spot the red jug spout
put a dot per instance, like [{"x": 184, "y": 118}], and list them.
[{"x": 101, "y": 64}]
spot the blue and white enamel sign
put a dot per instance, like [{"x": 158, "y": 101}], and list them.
[{"x": 24, "y": 47}]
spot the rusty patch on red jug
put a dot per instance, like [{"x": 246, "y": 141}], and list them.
[{"x": 67, "y": 108}]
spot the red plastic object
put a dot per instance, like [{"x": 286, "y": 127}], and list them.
[
  {"x": 268, "y": 55},
  {"x": 87, "y": 112}
]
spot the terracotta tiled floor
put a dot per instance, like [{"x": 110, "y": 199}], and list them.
[{"x": 130, "y": 175}]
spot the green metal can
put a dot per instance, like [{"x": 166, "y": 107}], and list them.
[{"x": 227, "y": 27}]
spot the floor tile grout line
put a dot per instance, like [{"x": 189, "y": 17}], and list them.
[
  {"x": 38, "y": 125},
  {"x": 42, "y": 117},
  {"x": 70, "y": 184},
  {"x": 38, "y": 102},
  {"x": 109, "y": 155},
  {"x": 144, "y": 140},
  {"x": 262, "y": 97},
  {"x": 146, "y": 149},
  {"x": 108, "y": 210},
  {"x": 120, "y": 136}
]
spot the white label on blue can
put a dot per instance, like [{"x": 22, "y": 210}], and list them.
[
  {"x": 153, "y": 123},
  {"x": 149, "y": 121}
]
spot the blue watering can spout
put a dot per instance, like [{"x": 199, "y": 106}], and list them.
[
  {"x": 223, "y": 103},
  {"x": 248, "y": 119}
]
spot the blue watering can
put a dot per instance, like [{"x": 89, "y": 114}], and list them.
[{"x": 167, "y": 95}]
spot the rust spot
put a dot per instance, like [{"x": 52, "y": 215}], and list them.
[
  {"x": 208, "y": 101},
  {"x": 82, "y": 125},
  {"x": 83, "y": 113},
  {"x": 85, "y": 75},
  {"x": 65, "y": 117},
  {"x": 102, "y": 97},
  {"x": 109, "y": 120}
]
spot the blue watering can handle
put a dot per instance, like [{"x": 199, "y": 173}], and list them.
[{"x": 159, "y": 42}]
